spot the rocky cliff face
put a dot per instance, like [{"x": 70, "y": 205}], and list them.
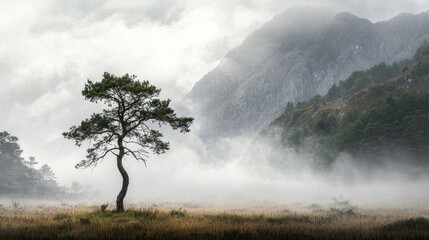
[{"x": 296, "y": 55}]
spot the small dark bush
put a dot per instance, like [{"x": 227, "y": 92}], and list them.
[
  {"x": 419, "y": 223},
  {"x": 344, "y": 212},
  {"x": 178, "y": 213},
  {"x": 104, "y": 207}
]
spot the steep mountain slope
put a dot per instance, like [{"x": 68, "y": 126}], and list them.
[
  {"x": 371, "y": 120},
  {"x": 296, "y": 55}
]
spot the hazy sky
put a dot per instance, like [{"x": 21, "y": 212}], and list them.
[{"x": 49, "y": 48}]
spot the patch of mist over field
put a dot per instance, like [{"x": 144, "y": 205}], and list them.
[{"x": 245, "y": 170}]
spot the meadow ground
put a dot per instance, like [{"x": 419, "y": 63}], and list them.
[{"x": 339, "y": 220}]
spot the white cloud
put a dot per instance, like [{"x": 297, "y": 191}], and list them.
[{"x": 50, "y": 49}]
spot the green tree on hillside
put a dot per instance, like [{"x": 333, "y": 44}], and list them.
[
  {"x": 31, "y": 162},
  {"x": 47, "y": 172},
  {"x": 124, "y": 128}
]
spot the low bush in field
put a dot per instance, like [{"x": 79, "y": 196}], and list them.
[
  {"x": 178, "y": 213},
  {"x": 419, "y": 223}
]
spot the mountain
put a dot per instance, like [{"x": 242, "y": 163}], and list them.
[
  {"x": 296, "y": 55},
  {"x": 377, "y": 116}
]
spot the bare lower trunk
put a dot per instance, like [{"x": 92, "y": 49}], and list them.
[{"x": 125, "y": 182}]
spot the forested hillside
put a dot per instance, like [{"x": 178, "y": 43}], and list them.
[{"x": 377, "y": 115}]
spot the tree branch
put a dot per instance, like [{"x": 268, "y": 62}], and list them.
[{"x": 135, "y": 156}]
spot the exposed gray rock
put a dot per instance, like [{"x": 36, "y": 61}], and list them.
[{"x": 296, "y": 55}]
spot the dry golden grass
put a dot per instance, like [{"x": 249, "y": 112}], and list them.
[{"x": 212, "y": 221}]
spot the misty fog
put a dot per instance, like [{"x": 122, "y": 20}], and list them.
[
  {"x": 48, "y": 53},
  {"x": 244, "y": 170}
]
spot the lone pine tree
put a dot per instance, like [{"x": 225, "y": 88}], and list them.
[{"x": 122, "y": 128}]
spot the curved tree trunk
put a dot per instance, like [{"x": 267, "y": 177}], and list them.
[{"x": 125, "y": 182}]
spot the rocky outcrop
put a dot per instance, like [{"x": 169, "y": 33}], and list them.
[{"x": 296, "y": 55}]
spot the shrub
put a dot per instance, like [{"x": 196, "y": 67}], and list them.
[
  {"x": 178, "y": 213},
  {"x": 419, "y": 223},
  {"x": 104, "y": 207}
]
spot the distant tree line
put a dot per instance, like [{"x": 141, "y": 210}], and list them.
[{"x": 21, "y": 177}]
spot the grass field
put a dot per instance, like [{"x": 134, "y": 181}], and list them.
[{"x": 211, "y": 221}]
